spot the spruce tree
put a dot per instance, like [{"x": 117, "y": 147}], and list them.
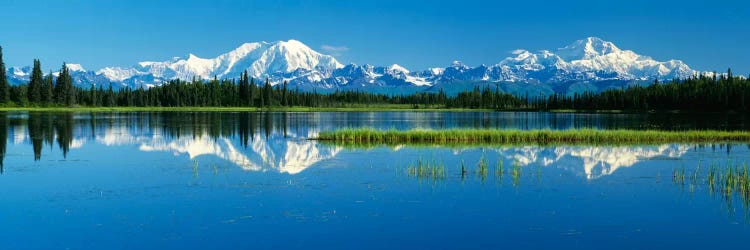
[
  {"x": 244, "y": 100},
  {"x": 284, "y": 97},
  {"x": 64, "y": 90},
  {"x": 267, "y": 94},
  {"x": 35, "y": 84},
  {"x": 48, "y": 90},
  {"x": 729, "y": 74},
  {"x": 4, "y": 87},
  {"x": 110, "y": 97},
  {"x": 251, "y": 92},
  {"x": 93, "y": 96},
  {"x": 59, "y": 90}
]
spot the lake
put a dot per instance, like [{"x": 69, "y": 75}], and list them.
[{"x": 254, "y": 180}]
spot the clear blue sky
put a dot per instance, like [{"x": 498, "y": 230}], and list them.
[{"x": 708, "y": 35}]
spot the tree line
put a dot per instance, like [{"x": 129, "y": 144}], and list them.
[{"x": 700, "y": 93}]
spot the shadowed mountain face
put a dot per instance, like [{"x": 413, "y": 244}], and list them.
[{"x": 590, "y": 64}]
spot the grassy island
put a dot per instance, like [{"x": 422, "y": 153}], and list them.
[{"x": 511, "y": 136}]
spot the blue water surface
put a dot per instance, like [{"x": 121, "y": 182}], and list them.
[{"x": 256, "y": 181}]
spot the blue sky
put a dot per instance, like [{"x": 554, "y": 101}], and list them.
[{"x": 707, "y": 35}]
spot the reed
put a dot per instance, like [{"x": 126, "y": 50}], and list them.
[
  {"x": 426, "y": 170},
  {"x": 499, "y": 168},
  {"x": 512, "y": 136},
  {"x": 730, "y": 181},
  {"x": 678, "y": 175},
  {"x": 516, "y": 174},
  {"x": 483, "y": 167}
]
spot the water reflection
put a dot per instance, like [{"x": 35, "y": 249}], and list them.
[
  {"x": 3, "y": 139},
  {"x": 278, "y": 141},
  {"x": 256, "y": 142},
  {"x": 130, "y": 173},
  {"x": 591, "y": 161},
  {"x": 728, "y": 181}
]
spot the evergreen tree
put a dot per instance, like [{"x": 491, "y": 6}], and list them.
[
  {"x": 35, "y": 84},
  {"x": 729, "y": 74},
  {"x": 244, "y": 89},
  {"x": 61, "y": 91},
  {"x": 4, "y": 87},
  {"x": 251, "y": 92},
  {"x": 48, "y": 90},
  {"x": 284, "y": 98},
  {"x": 93, "y": 96},
  {"x": 267, "y": 94},
  {"x": 70, "y": 91},
  {"x": 110, "y": 97}
]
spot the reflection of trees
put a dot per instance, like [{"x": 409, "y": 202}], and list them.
[
  {"x": 44, "y": 128},
  {"x": 246, "y": 130},
  {"x": 62, "y": 129},
  {"x": 3, "y": 137},
  {"x": 36, "y": 133}
]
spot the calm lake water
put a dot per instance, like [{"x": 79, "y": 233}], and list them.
[{"x": 254, "y": 180}]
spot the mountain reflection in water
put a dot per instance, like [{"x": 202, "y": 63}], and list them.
[{"x": 279, "y": 141}]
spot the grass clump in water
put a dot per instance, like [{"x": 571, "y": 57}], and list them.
[
  {"x": 729, "y": 182},
  {"x": 516, "y": 174},
  {"x": 426, "y": 170},
  {"x": 512, "y": 136},
  {"x": 678, "y": 175},
  {"x": 483, "y": 167},
  {"x": 499, "y": 169}
]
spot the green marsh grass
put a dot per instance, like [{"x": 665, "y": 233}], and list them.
[
  {"x": 483, "y": 167},
  {"x": 499, "y": 168},
  {"x": 678, "y": 175},
  {"x": 512, "y": 136},
  {"x": 730, "y": 182},
  {"x": 426, "y": 170},
  {"x": 516, "y": 174}
]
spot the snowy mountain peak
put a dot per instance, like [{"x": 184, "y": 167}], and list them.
[
  {"x": 589, "y": 59},
  {"x": 587, "y": 48},
  {"x": 117, "y": 74},
  {"x": 398, "y": 68},
  {"x": 294, "y": 44},
  {"x": 75, "y": 67},
  {"x": 259, "y": 59},
  {"x": 458, "y": 64}
]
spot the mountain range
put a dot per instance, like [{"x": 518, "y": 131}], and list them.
[{"x": 590, "y": 64}]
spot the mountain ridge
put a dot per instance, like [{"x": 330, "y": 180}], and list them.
[{"x": 590, "y": 64}]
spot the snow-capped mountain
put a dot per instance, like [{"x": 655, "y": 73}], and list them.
[
  {"x": 589, "y": 59},
  {"x": 259, "y": 59},
  {"x": 591, "y": 64}
]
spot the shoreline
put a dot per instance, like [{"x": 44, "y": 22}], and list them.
[{"x": 384, "y": 108}]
